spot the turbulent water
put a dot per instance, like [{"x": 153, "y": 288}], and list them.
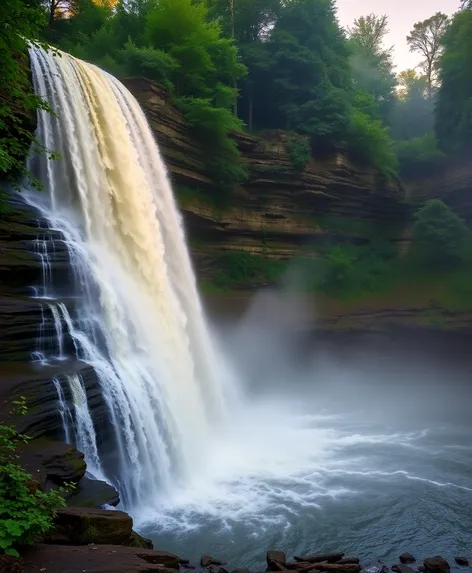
[
  {"x": 139, "y": 322},
  {"x": 303, "y": 458}
]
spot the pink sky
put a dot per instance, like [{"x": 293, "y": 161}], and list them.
[{"x": 402, "y": 14}]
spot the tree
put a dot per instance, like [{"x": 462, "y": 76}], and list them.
[
  {"x": 369, "y": 32},
  {"x": 454, "y": 100},
  {"x": 20, "y": 22},
  {"x": 413, "y": 115},
  {"x": 425, "y": 38},
  {"x": 439, "y": 235},
  {"x": 308, "y": 58},
  {"x": 371, "y": 62}
]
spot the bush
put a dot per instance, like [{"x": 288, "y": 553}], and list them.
[
  {"x": 368, "y": 140},
  {"x": 440, "y": 237},
  {"x": 213, "y": 125},
  {"x": 25, "y": 510},
  {"x": 299, "y": 151},
  {"x": 240, "y": 267},
  {"x": 418, "y": 154}
]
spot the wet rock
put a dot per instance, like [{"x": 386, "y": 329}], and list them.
[
  {"x": 436, "y": 564},
  {"x": 96, "y": 559},
  {"x": 93, "y": 493},
  {"x": 462, "y": 561},
  {"x": 349, "y": 561},
  {"x": 336, "y": 568},
  {"x": 208, "y": 560},
  {"x": 384, "y": 569},
  {"x": 407, "y": 558},
  {"x": 137, "y": 540},
  {"x": 402, "y": 568},
  {"x": 319, "y": 557},
  {"x": 274, "y": 559},
  {"x": 54, "y": 462},
  {"x": 299, "y": 566},
  {"x": 81, "y": 526},
  {"x": 420, "y": 568}
]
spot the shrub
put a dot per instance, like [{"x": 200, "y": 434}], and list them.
[
  {"x": 213, "y": 125},
  {"x": 369, "y": 141},
  {"x": 25, "y": 510},
  {"x": 299, "y": 151},
  {"x": 440, "y": 236},
  {"x": 418, "y": 154}
]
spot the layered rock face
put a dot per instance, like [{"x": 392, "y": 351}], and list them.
[{"x": 279, "y": 208}]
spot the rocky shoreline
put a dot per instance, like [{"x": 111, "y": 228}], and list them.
[{"x": 76, "y": 528}]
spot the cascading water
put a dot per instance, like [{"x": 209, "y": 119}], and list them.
[{"x": 138, "y": 318}]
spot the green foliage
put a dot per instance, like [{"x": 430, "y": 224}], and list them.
[
  {"x": 25, "y": 510},
  {"x": 213, "y": 125},
  {"x": 240, "y": 268},
  {"x": 20, "y": 22},
  {"x": 369, "y": 141},
  {"x": 440, "y": 237},
  {"x": 418, "y": 155},
  {"x": 299, "y": 151},
  {"x": 371, "y": 63},
  {"x": 454, "y": 101},
  {"x": 148, "y": 62}
]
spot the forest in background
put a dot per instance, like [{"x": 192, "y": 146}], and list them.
[{"x": 260, "y": 65}]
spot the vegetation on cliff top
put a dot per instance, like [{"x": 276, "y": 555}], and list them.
[{"x": 268, "y": 64}]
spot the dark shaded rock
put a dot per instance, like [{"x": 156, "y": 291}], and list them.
[
  {"x": 215, "y": 569},
  {"x": 94, "y": 559},
  {"x": 436, "y": 564},
  {"x": 137, "y": 540},
  {"x": 80, "y": 526},
  {"x": 275, "y": 566},
  {"x": 319, "y": 557},
  {"x": 240, "y": 571},
  {"x": 275, "y": 557},
  {"x": 299, "y": 565},
  {"x": 9, "y": 564},
  {"x": 421, "y": 568},
  {"x": 462, "y": 561},
  {"x": 50, "y": 461},
  {"x": 384, "y": 569},
  {"x": 336, "y": 568},
  {"x": 93, "y": 493},
  {"x": 402, "y": 568},
  {"x": 208, "y": 560},
  {"x": 407, "y": 558},
  {"x": 349, "y": 561}
]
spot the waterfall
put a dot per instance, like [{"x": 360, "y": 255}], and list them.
[{"x": 138, "y": 319}]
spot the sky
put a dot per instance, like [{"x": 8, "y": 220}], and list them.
[{"x": 402, "y": 14}]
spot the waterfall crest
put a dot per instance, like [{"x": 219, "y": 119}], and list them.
[{"x": 138, "y": 319}]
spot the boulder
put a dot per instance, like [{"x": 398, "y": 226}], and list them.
[
  {"x": 462, "y": 561},
  {"x": 320, "y": 557},
  {"x": 336, "y": 568},
  {"x": 52, "y": 463},
  {"x": 137, "y": 540},
  {"x": 436, "y": 564},
  {"x": 81, "y": 526},
  {"x": 407, "y": 558},
  {"x": 402, "y": 568},
  {"x": 93, "y": 493},
  {"x": 275, "y": 559},
  {"x": 207, "y": 560},
  {"x": 95, "y": 558},
  {"x": 299, "y": 566}
]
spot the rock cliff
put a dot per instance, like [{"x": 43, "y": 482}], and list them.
[{"x": 279, "y": 208}]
